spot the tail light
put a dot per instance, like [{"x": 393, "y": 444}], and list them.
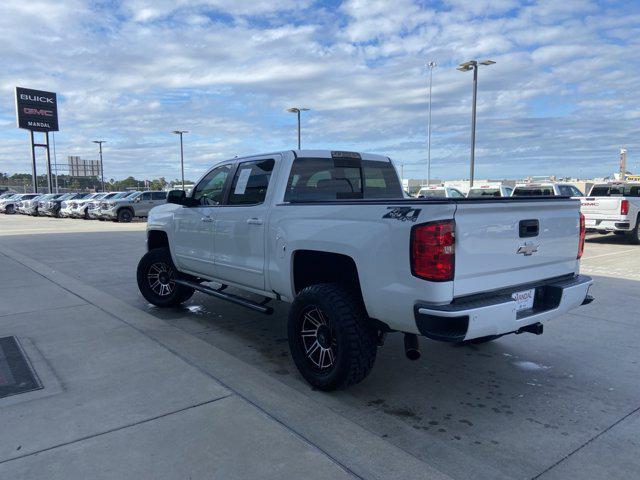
[
  {"x": 433, "y": 251},
  {"x": 624, "y": 207},
  {"x": 583, "y": 233}
]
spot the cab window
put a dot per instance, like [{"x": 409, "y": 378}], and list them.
[
  {"x": 250, "y": 182},
  {"x": 145, "y": 196},
  {"x": 159, "y": 195},
  {"x": 210, "y": 190}
]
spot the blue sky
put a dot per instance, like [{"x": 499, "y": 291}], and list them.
[{"x": 562, "y": 98}]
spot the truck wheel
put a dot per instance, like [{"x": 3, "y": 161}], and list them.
[
  {"x": 125, "y": 215},
  {"x": 331, "y": 342},
  {"x": 10, "y": 210},
  {"x": 634, "y": 235},
  {"x": 156, "y": 273}
]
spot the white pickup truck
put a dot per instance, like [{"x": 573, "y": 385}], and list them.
[
  {"x": 331, "y": 233},
  {"x": 614, "y": 207}
]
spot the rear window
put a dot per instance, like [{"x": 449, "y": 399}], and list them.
[
  {"x": 433, "y": 193},
  {"x": 532, "y": 192},
  {"x": 615, "y": 191},
  {"x": 317, "y": 179},
  {"x": 484, "y": 192}
]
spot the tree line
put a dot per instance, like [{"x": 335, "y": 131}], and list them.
[{"x": 67, "y": 182}]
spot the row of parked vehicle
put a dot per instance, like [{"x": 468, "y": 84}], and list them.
[
  {"x": 115, "y": 206},
  {"x": 551, "y": 189},
  {"x": 609, "y": 207}
]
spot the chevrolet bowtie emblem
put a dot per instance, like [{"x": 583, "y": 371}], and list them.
[{"x": 528, "y": 249}]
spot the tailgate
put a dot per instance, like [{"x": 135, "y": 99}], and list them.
[
  {"x": 497, "y": 245},
  {"x": 597, "y": 207}
]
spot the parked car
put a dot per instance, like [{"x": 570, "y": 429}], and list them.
[
  {"x": 550, "y": 189},
  {"x": 614, "y": 207},
  {"x": 127, "y": 208},
  {"x": 30, "y": 207},
  {"x": 489, "y": 191},
  {"x": 8, "y": 205},
  {"x": 70, "y": 202},
  {"x": 82, "y": 206},
  {"x": 331, "y": 233},
  {"x": 439, "y": 192},
  {"x": 51, "y": 207},
  {"x": 97, "y": 208}
]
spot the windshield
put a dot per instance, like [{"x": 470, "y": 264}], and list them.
[
  {"x": 533, "y": 192},
  {"x": 108, "y": 196},
  {"x": 484, "y": 192},
  {"x": 615, "y": 191},
  {"x": 440, "y": 193},
  {"x": 120, "y": 195}
]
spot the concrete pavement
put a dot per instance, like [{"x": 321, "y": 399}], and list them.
[
  {"x": 564, "y": 404},
  {"x": 129, "y": 396}
]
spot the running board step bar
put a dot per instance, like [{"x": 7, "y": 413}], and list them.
[{"x": 227, "y": 296}]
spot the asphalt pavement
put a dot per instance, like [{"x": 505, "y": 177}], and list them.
[{"x": 565, "y": 404}]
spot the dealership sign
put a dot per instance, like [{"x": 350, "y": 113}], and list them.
[{"x": 37, "y": 110}]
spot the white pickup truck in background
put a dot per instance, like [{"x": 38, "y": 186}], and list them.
[
  {"x": 331, "y": 233},
  {"x": 614, "y": 207},
  {"x": 548, "y": 189}
]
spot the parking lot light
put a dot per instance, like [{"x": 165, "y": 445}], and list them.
[
  {"x": 100, "y": 142},
  {"x": 181, "y": 132},
  {"x": 297, "y": 111},
  {"x": 465, "y": 67}
]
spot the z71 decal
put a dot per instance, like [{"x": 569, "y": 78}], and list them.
[{"x": 403, "y": 214}]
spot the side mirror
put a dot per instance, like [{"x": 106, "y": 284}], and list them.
[
  {"x": 179, "y": 197},
  {"x": 136, "y": 200}
]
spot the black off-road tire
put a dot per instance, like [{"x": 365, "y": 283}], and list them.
[
  {"x": 349, "y": 335},
  {"x": 125, "y": 215},
  {"x": 171, "y": 294},
  {"x": 10, "y": 210},
  {"x": 633, "y": 237}
]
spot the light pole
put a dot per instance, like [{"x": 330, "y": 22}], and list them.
[
  {"x": 432, "y": 64},
  {"x": 465, "y": 67},
  {"x": 100, "y": 142},
  {"x": 181, "y": 132},
  {"x": 297, "y": 111}
]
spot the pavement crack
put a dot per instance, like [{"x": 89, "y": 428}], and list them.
[
  {"x": 116, "y": 429},
  {"x": 591, "y": 440}
]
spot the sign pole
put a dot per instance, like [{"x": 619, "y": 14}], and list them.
[
  {"x": 34, "y": 178},
  {"x": 49, "y": 175}
]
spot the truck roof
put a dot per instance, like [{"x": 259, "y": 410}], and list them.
[{"x": 320, "y": 154}]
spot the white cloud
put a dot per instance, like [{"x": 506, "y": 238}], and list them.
[{"x": 225, "y": 70}]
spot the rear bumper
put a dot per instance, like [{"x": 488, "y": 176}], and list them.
[
  {"x": 622, "y": 224},
  {"x": 496, "y": 314}
]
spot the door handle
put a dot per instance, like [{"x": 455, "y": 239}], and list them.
[
  {"x": 254, "y": 221},
  {"x": 206, "y": 219}
]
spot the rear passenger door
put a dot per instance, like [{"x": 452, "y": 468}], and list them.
[{"x": 239, "y": 246}]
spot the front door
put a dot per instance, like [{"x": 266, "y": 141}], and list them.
[
  {"x": 194, "y": 225},
  {"x": 240, "y": 226}
]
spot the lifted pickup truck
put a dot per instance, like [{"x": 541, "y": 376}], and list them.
[
  {"x": 614, "y": 207},
  {"x": 332, "y": 233}
]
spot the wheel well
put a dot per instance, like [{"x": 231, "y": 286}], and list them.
[
  {"x": 311, "y": 267},
  {"x": 157, "y": 239}
]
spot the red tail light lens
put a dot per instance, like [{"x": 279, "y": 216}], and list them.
[
  {"x": 433, "y": 251},
  {"x": 583, "y": 233},
  {"x": 624, "y": 207}
]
